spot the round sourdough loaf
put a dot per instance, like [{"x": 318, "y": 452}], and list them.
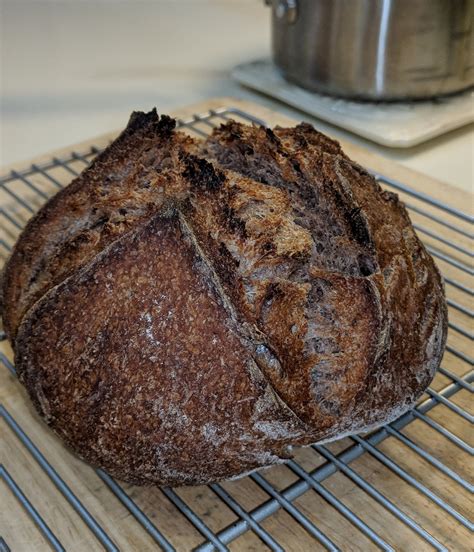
[{"x": 188, "y": 311}]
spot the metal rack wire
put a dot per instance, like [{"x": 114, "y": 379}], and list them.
[{"x": 22, "y": 197}]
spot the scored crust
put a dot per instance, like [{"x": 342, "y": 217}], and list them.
[
  {"x": 159, "y": 384},
  {"x": 359, "y": 321},
  {"x": 188, "y": 311},
  {"x": 125, "y": 185}
]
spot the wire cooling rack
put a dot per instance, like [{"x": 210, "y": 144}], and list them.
[{"x": 333, "y": 496}]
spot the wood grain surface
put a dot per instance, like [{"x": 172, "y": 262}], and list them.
[{"x": 21, "y": 534}]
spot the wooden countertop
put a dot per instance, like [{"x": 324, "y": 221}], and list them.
[{"x": 20, "y": 532}]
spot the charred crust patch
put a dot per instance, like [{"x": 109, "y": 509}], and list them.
[
  {"x": 367, "y": 265},
  {"x": 273, "y": 292},
  {"x": 234, "y": 223},
  {"x": 356, "y": 221},
  {"x": 272, "y": 137},
  {"x": 296, "y": 167},
  {"x": 306, "y": 128},
  {"x": 226, "y": 265},
  {"x": 165, "y": 125},
  {"x": 202, "y": 174},
  {"x": 359, "y": 227},
  {"x": 138, "y": 119},
  {"x": 268, "y": 247}
]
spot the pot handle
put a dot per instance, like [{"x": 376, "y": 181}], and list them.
[{"x": 285, "y": 10}]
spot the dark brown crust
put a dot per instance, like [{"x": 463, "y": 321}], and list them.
[
  {"x": 266, "y": 293},
  {"x": 152, "y": 369},
  {"x": 326, "y": 376},
  {"x": 125, "y": 185}
]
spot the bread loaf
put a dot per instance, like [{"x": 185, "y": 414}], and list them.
[{"x": 188, "y": 311}]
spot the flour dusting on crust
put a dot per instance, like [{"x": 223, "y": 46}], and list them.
[{"x": 188, "y": 312}]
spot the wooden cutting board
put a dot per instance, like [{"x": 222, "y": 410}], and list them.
[{"x": 20, "y": 533}]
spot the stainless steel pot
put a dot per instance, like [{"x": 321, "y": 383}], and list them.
[{"x": 375, "y": 49}]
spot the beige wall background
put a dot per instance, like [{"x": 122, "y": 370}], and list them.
[{"x": 72, "y": 69}]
